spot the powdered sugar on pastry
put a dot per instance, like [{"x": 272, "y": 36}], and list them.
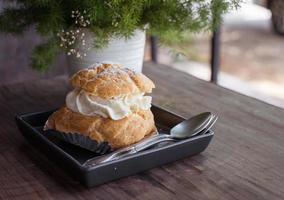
[{"x": 109, "y": 81}]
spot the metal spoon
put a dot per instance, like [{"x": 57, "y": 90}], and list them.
[
  {"x": 210, "y": 125},
  {"x": 185, "y": 129}
]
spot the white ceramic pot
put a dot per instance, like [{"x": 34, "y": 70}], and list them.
[{"x": 129, "y": 53}]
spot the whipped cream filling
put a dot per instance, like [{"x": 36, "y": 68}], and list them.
[{"x": 117, "y": 108}]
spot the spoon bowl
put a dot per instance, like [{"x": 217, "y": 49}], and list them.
[{"x": 191, "y": 126}]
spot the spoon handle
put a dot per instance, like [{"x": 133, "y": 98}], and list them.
[
  {"x": 149, "y": 142},
  {"x": 143, "y": 144}
]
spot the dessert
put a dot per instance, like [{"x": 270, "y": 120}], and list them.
[{"x": 108, "y": 104}]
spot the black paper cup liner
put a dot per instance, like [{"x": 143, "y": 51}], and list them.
[{"x": 82, "y": 141}]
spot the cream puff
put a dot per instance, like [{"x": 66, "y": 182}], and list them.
[{"x": 108, "y": 104}]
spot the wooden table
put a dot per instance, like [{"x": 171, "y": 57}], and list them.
[{"x": 244, "y": 161}]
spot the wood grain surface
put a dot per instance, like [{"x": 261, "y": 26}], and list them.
[{"x": 244, "y": 161}]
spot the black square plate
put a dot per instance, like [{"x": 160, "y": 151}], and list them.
[{"x": 71, "y": 158}]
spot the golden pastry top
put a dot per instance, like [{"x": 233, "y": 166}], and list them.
[{"x": 111, "y": 80}]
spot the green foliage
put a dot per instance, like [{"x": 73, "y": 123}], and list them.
[
  {"x": 43, "y": 55},
  {"x": 167, "y": 19}
]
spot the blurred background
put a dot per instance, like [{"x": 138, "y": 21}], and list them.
[{"x": 251, "y": 53}]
